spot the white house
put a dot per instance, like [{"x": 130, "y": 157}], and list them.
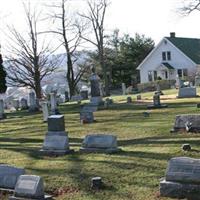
[{"x": 173, "y": 57}]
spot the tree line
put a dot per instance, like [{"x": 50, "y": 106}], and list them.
[{"x": 115, "y": 57}]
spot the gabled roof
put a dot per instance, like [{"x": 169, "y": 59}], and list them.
[
  {"x": 168, "y": 65},
  {"x": 189, "y": 46}
]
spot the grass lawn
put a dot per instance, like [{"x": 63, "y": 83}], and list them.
[{"x": 134, "y": 173}]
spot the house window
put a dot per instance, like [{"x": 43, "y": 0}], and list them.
[
  {"x": 163, "y": 55},
  {"x": 155, "y": 75},
  {"x": 150, "y": 76},
  {"x": 182, "y": 73},
  {"x": 168, "y": 55}
]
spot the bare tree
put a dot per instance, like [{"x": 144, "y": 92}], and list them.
[
  {"x": 190, "y": 6},
  {"x": 30, "y": 57},
  {"x": 68, "y": 32},
  {"x": 96, "y": 17}
]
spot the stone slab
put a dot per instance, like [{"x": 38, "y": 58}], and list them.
[
  {"x": 56, "y": 152},
  {"x": 182, "y": 120},
  {"x": 100, "y": 141},
  {"x": 179, "y": 190},
  {"x": 99, "y": 150},
  {"x": 56, "y": 123},
  {"x": 186, "y": 92},
  {"x": 152, "y": 106},
  {"x": 56, "y": 141},
  {"x": 9, "y": 176},
  {"x": 96, "y": 101},
  {"x": 184, "y": 170},
  {"x": 46, "y": 197},
  {"x": 29, "y": 186}
]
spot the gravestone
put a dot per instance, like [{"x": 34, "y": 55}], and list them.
[
  {"x": 197, "y": 80},
  {"x": 29, "y": 187},
  {"x": 45, "y": 111},
  {"x": 66, "y": 96},
  {"x": 2, "y": 114},
  {"x": 156, "y": 103},
  {"x": 182, "y": 179},
  {"x": 9, "y": 176},
  {"x": 129, "y": 100},
  {"x": 86, "y": 117},
  {"x": 84, "y": 94},
  {"x": 139, "y": 97},
  {"x": 24, "y": 104},
  {"x": 100, "y": 143},
  {"x": 123, "y": 89},
  {"x": 33, "y": 104},
  {"x": 53, "y": 102},
  {"x": 89, "y": 108},
  {"x": 76, "y": 98},
  {"x": 96, "y": 183},
  {"x": 15, "y": 103},
  {"x": 56, "y": 140},
  {"x": 96, "y": 97},
  {"x": 187, "y": 122},
  {"x": 186, "y": 92}
]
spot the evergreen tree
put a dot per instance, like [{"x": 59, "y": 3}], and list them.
[{"x": 3, "y": 86}]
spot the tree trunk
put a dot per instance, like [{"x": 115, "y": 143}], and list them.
[{"x": 38, "y": 90}]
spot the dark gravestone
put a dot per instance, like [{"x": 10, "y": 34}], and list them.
[
  {"x": 129, "y": 100},
  {"x": 187, "y": 122},
  {"x": 156, "y": 103},
  {"x": 96, "y": 183},
  {"x": 186, "y": 147},
  {"x": 2, "y": 114},
  {"x": 84, "y": 94},
  {"x": 29, "y": 187},
  {"x": 66, "y": 96},
  {"x": 96, "y": 98},
  {"x": 56, "y": 123},
  {"x": 56, "y": 140},
  {"x": 86, "y": 117},
  {"x": 182, "y": 179}
]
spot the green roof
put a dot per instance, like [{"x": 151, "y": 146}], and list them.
[
  {"x": 167, "y": 65},
  {"x": 189, "y": 46}
]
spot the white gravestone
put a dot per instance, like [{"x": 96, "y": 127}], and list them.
[
  {"x": 123, "y": 89},
  {"x": 29, "y": 187},
  {"x": 9, "y": 176},
  {"x": 186, "y": 92},
  {"x": 54, "y": 109},
  {"x": 100, "y": 143},
  {"x": 45, "y": 111}
]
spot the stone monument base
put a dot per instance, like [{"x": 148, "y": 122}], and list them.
[
  {"x": 46, "y": 197},
  {"x": 55, "y": 152},
  {"x": 99, "y": 150},
  {"x": 96, "y": 101},
  {"x": 152, "y": 106},
  {"x": 179, "y": 190}
]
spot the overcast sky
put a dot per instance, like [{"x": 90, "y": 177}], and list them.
[{"x": 154, "y": 18}]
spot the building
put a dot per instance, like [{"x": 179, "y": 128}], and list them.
[{"x": 173, "y": 57}]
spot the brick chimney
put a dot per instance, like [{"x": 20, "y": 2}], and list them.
[{"x": 172, "y": 34}]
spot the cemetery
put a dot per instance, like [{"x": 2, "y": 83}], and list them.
[{"x": 123, "y": 152}]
